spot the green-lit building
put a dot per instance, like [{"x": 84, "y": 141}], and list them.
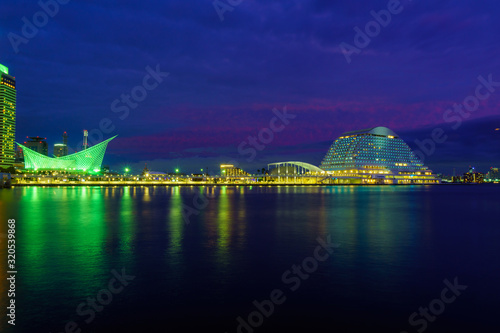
[
  {"x": 88, "y": 160},
  {"x": 7, "y": 117}
]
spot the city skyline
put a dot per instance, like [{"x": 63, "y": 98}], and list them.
[
  {"x": 249, "y": 165},
  {"x": 138, "y": 166},
  {"x": 213, "y": 87}
]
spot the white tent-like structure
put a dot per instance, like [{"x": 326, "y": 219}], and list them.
[{"x": 297, "y": 167}]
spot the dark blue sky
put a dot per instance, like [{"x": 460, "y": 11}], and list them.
[{"x": 225, "y": 77}]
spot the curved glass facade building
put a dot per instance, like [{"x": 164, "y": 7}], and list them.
[
  {"x": 375, "y": 155},
  {"x": 86, "y": 160}
]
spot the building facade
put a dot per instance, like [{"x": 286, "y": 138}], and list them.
[
  {"x": 375, "y": 155},
  {"x": 61, "y": 149},
  {"x": 19, "y": 155},
  {"x": 493, "y": 174},
  {"x": 37, "y": 144},
  {"x": 472, "y": 176},
  {"x": 229, "y": 170},
  {"x": 7, "y": 117}
]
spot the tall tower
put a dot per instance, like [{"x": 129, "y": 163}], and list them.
[
  {"x": 85, "y": 139},
  {"x": 65, "y": 144},
  {"x": 7, "y": 117}
]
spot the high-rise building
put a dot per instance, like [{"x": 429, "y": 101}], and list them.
[
  {"x": 473, "y": 176},
  {"x": 61, "y": 149},
  {"x": 493, "y": 174},
  {"x": 37, "y": 144},
  {"x": 7, "y": 117}
]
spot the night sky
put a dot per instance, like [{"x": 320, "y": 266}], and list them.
[{"x": 226, "y": 76}]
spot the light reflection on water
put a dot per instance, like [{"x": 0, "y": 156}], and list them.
[{"x": 397, "y": 243}]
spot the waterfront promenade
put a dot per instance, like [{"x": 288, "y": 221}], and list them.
[{"x": 189, "y": 181}]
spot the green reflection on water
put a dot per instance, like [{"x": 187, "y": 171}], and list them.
[
  {"x": 58, "y": 222},
  {"x": 126, "y": 212}
]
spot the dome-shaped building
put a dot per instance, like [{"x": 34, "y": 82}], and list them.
[{"x": 375, "y": 155}]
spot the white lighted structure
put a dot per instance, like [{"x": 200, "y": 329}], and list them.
[
  {"x": 375, "y": 155},
  {"x": 294, "y": 167}
]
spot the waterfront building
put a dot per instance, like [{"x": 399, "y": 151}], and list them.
[
  {"x": 493, "y": 174},
  {"x": 37, "y": 144},
  {"x": 293, "y": 167},
  {"x": 229, "y": 170},
  {"x": 5, "y": 180},
  {"x": 472, "y": 176},
  {"x": 7, "y": 117},
  {"x": 88, "y": 160},
  {"x": 375, "y": 155},
  {"x": 296, "y": 172}
]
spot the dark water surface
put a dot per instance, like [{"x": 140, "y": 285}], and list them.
[{"x": 397, "y": 246}]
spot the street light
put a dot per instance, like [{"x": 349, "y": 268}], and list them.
[{"x": 176, "y": 170}]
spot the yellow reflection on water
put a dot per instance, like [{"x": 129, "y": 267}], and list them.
[
  {"x": 147, "y": 196},
  {"x": 175, "y": 221},
  {"x": 224, "y": 221}
]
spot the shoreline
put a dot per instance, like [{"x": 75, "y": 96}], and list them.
[{"x": 228, "y": 185}]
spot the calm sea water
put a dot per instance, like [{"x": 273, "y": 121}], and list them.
[{"x": 397, "y": 246}]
